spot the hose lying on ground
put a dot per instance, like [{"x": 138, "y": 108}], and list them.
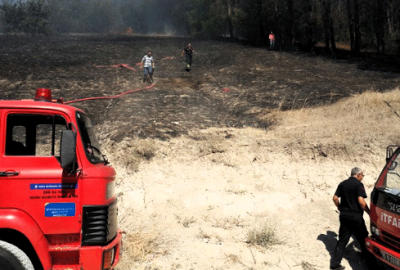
[{"x": 110, "y": 97}]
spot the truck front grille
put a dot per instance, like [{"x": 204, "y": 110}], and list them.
[
  {"x": 391, "y": 240},
  {"x": 99, "y": 225}
]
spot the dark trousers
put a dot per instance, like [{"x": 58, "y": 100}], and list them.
[
  {"x": 189, "y": 59},
  {"x": 359, "y": 231}
]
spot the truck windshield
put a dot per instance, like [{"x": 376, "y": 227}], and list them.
[
  {"x": 392, "y": 180},
  {"x": 89, "y": 140}
]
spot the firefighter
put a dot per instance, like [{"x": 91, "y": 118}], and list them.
[
  {"x": 351, "y": 207},
  {"x": 189, "y": 56},
  {"x": 147, "y": 65}
]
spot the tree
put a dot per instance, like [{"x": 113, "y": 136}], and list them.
[
  {"x": 379, "y": 23},
  {"x": 37, "y": 18},
  {"x": 31, "y": 17},
  {"x": 357, "y": 40},
  {"x": 230, "y": 12},
  {"x": 101, "y": 16},
  {"x": 67, "y": 15},
  {"x": 290, "y": 21},
  {"x": 327, "y": 20}
]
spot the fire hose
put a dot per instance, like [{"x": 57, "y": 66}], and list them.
[
  {"x": 129, "y": 67},
  {"x": 124, "y": 93},
  {"x": 111, "y": 97},
  {"x": 119, "y": 65}
]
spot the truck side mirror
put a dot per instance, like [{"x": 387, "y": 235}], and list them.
[
  {"x": 389, "y": 152},
  {"x": 68, "y": 149},
  {"x": 392, "y": 166}
]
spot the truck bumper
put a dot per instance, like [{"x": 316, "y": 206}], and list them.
[
  {"x": 383, "y": 253},
  {"x": 102, "y": 257}
]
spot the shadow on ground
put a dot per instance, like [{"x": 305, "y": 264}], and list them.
[{"x": 352, "y": 253}]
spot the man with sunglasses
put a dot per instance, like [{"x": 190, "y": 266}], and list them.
[{"x": 351, "y": 207}]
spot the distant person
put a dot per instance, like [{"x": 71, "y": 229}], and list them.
[
  {"x": 147, "y": 65},
  {"x": 271, "y": 41},
  {"x": 189, "y": 51},
  {"x": 351, "y": 207}
]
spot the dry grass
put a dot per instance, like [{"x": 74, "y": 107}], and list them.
[
  {"x": 187, "y": 221},
  {"x": 339, "y": 46},
  {"x": 343, "y": 47},
  {"x": 307, "y": 266},
  {"x": 144, "y": 246},
  {"x": 263, "y": 236},
  {"x": 203, "y": 235},
  {"x": 235, "y": 259},
  {"x": 130, "y": 153},
  {"x": 367, "y": 118},
  {"x": 229, "y": 223},
  {"x": 212, "y": 144},
  {"x": 144, "y": 149}
]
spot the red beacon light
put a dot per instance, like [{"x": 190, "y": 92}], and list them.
[{"x": 43, "y": 94}]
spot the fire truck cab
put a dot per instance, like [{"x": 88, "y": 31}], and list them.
[
  {"x": 384, "y": 242},
  {"x": 58, "y": 208}
]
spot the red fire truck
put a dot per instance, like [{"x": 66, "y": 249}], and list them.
[
  {"x": 384, "y": 241},
  {"x": 58, "y": 208}
]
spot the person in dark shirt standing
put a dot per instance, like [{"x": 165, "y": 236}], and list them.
[
  {"x": 351, "y": 207},
  {"x": 189, "y": 51}
]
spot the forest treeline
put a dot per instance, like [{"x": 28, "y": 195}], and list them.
[{"x": 362, "y": 24}]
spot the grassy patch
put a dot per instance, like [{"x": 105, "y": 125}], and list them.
[
  {"x": 138, "y": 151},
  {"x": 372, "y": 113},
  {"x": 229, "y": 223},
  {"x": 264, "y": 236},
  {"x": 187, "y": 221},
  {"x": 144, "y": 246}
]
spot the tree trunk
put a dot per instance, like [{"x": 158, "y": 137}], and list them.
[
  {"x": 278, "y": 31},
  {"x": 357, "y": 27},
  {"x": 351, "y": 25},
  {"x": 333, "y": 41},
  {"x": 290, "y": 21},
  {"x": 325, "y": 20},
  {"x": 230, "y": 25},
  {"x": 261, "y": 23},
  {"x": 380, "y": 26}
]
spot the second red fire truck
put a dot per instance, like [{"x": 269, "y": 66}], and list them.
[{"x": 384, "y": 241}]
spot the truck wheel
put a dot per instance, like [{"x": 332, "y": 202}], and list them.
[{"x": 12, "y": 258}]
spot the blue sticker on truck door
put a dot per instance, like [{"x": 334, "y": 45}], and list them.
[
  {"x": 54, "y": 186},
  {"x": 59, "y": 209}
]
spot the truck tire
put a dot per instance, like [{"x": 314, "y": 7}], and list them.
[{"x": 12, "y": 258}]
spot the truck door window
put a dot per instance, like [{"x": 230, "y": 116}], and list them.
[
  {"x": 393, "y": 176},
  {"x": 34, "y": 135},
  {"x": 89, "y": 140}
]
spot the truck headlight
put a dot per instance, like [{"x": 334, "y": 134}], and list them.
[
  {"x": 110, "y": 190},
  {"x": 108, "y": 258},
  {"x": 375, "y": 231}
]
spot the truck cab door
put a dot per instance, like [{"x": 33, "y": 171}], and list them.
[{"x": 32, "y": 177}]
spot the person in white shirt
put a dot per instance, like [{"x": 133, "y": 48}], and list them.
[{"x": 147, "y": 65}]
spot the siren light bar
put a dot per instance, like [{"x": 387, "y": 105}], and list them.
[{"x": 44, "y": 94}]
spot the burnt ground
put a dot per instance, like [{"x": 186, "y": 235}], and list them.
[{"x": 258, "y": 80}]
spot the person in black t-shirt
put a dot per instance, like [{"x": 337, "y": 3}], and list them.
[
  {"x": 189, "y": 56},
  {"x": 352, "y": 206}
]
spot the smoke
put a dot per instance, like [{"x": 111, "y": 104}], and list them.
[{"x": 105, "y": 16}]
